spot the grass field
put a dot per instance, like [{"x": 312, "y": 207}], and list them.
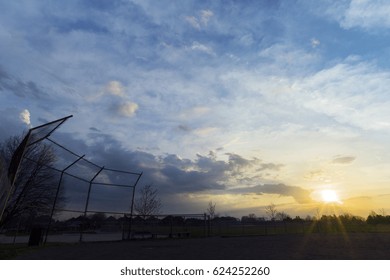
[
  {"x": 9, "y": 251},
  {"x": 329, "y": 240},
  {"x": 315, "y": 246}
]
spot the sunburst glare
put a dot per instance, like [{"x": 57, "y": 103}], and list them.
[{"x": 330, "y": 196}]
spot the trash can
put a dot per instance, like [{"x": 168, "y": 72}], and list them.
[{"x": 35, "y": 236}]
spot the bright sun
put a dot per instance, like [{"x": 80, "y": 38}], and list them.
[{"x": 330, "y": 196}]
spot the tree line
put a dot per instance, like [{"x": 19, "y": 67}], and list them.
[{"x": 274, "y": 215}]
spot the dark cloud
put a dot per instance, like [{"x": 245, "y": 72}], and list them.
[
  {"x": 174, "y": 176},
  {"x": 18, "y": 87},
  {"x": 170, "y": 173},
  {"x": 240, "y": 168},
  {"x": 183, "y": 181},
  {"x": 301, "y": 195},
  {"x": 64, "y": 26},
  {"x": 3, "y": 75},
  {"x": 239, "y": 161},
  {"x": 343, "y": 159},
  {"x": 94, "y": 129},
  {"x": 184, "y": 128}
]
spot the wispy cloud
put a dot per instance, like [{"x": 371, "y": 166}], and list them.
[
  {"x": 301, "y": 195},
  {"x": 201, "y": 20},
  {"x": 343, "y": 159},
  {"x": 196, "y": 46},
  {"x": 193, "y": 21},
  {"x": 362, "y": 14},
  {"x": 367, "y": 14}
]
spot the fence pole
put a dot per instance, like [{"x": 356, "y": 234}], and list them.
[
  {"x": 171, "y": 233},
  {"x": 56, "y": 197},
  {"x": 87, "y": 202},
  {"x": 123, "y": 226},
  {"x": 132, "y": 206}
]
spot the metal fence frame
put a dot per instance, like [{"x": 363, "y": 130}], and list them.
[{"x": 31, "y": 139}]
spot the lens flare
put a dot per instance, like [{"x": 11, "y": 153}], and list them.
[{"x": 330, "y": 196}]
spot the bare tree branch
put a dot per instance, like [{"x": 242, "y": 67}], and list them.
[
  {"x": 271, "y": 211},
  {"x": 35, "y": 185},
  {"x": 211, "y": 209},
  {"x": 148, "y": 202}
]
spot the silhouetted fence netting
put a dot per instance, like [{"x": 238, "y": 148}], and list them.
[{"x": 54, "y": 189}]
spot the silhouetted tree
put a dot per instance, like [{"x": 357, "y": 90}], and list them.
[
  {"x": 148, "y": 202},
  {"x": 375, "y": 219},
  {"x": 97, "y": 219},
  {"x": 298, "y": 219},
  {"x": 225, "y": 220},
  {"x": 251, "y": 219},
  {"x": 35, "y": 185},
  {"x": 252, "y": 216},
  {"x": 211, "y": 209},
  {"x": 308, "y": 218},
  {"x": 282, "y": 216},
  {"x": 271, "y": 211}
]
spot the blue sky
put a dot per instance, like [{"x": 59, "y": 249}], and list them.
[{"x": 244, "y": 103}]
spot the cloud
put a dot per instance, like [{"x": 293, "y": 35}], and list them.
[
  {"x": 170, "y": 173},
  {"x": 315, "y": 42},
  {"x": 115, "y": 99},
  {"x": 195, "y": 112},
  {"x": 301, "y": 195},
  {"x": 196, "y": 46},
  {"x": 364, "y": 14},
  {"x": 343, "y": 159},
  {"x": 287, "y": 56},
  {"x": 193, "y": 21},
  {"x": 24, "y": 116},
  {"x": 184, "y": 128},
  {"x": 94, "y": 129},
  {"x": 367, "y": 14},
  {"x": 115, "y": 88},
  {"x": 205, "y": 131},
  {"x": 352, "y": 93},
  {"x": 205, "y": 16},
  {"x": 317, "y": 176},
  {"x": 200, "y": 21},
  {"x": 19, "y": 87},
  {"x": 127, "y": 109}
]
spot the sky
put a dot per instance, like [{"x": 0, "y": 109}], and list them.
[{"x": 243, "y": 103}]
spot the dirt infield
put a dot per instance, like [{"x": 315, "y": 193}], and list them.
[{"x": 362, "y": 246}]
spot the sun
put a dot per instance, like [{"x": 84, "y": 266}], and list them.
[{"x": 330, "y": 196}]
